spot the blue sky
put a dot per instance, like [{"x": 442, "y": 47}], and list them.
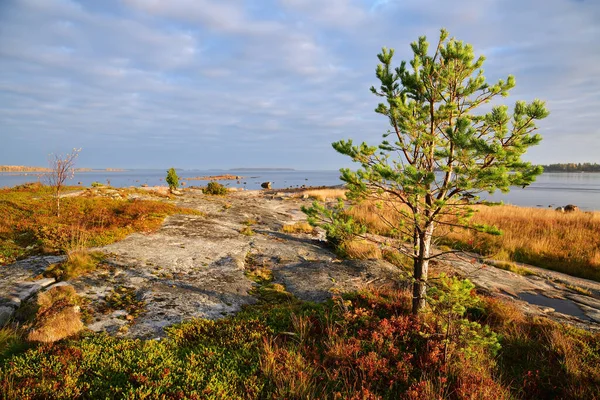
[{"x": 233, "y": 83}]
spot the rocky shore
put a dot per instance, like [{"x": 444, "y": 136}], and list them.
[{"x": 197, "y": 266}]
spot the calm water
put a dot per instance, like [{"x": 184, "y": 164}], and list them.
[{"x": 550, "y": 189}]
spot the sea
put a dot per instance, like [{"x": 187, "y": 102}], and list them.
[{"x": 549, "y": 190}]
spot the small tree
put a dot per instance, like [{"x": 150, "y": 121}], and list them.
[
  {"x": 61, "y": 169},
  {"x": 442, "y": 150},
  {"x": 172, "y": 179}
]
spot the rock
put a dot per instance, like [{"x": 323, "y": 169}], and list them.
[
  {"x": 571, "y": 208},
  {"x": 5, "y": 313},
  {"x": 265, "y": 185},
  {"x": 52, "y": 315},
  {"x": 176, "y": 192},
  {"x": 144, "y": 185},
  {"x": 560, "y": 209},
  {"x": 314, "y": 281}
]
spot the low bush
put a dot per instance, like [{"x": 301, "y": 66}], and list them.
[
  {"x": 172, "y": 179},
  {"x": 365, "y": 345},
  {"x": 216, "y": 189}
]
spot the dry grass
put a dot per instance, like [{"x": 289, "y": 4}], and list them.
[
  {"x": 324, "y": 194},
  {"x": 55, "y": 315},
  {"x": 361, "y": 249},
  {"x": 298, "y": 227},
  {"x": 30, "y": 225},
  {"x": 378, "y": 217},
  {"x": 63, "y": 324},
  {"x": 565, "y": 242}
]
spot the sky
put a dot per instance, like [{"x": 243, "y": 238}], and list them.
[{"x": 201, "y": 84}]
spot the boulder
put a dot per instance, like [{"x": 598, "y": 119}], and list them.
[
  {"x": 560, "y": 209},
  {"x": 265, "y": 185},
  {"x": 571, "y": 208},
  {"x": 52, "y": 315}
]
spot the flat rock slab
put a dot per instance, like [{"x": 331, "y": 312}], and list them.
[
  {"x": 20, "y": 280},
  {"x": 194, "y": 266},
  {"x": 316, "y": 281}
]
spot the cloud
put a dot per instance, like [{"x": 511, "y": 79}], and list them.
[
  {"x": 226, "y": 16},
  {"x": 148, "y": 83}
]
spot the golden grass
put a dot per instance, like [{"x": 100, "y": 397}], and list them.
[
  {"x": 61, "y": 325},
  {"x": 378, "y": 219},
  {"x": 55, "y": 315},
  {"x": 324, "y": 194},
  {"x": 565, "y": 242},
  {"x": 361, "y": 249},
  {"x": 298, "y": 227},
  {"x": 30, "y": 225}
]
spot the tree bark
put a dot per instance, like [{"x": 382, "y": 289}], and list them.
[{"x": 421, "y": 270}]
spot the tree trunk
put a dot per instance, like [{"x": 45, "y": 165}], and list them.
[
  {"x": 421, "y": 270},
  {"x": 57, "y": 195}
]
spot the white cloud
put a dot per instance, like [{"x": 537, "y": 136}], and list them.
[{"x": 227, "y": 79}]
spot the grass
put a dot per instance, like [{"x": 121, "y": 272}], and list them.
[
  {"x": 362, "y": 346},
  {"x": 298, "y": 227},
  {"x": 512, "y": 267},
  {"x": 78, "y": 262},
  {"x": 323, "y": 194},
  {"x": 360, "y": 249},
  {"x": 29, "y": 225},
  {"x": 564, "y": 242}
]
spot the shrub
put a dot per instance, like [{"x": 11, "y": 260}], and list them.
[
  {"x": 338, "y": 225},
  {"x": 215, "y": 188},
  {"x": 172, "y": 179},
  {"x": 298, "y": 227}
]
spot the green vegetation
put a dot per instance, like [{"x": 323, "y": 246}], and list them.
[
  {"x": 572, "y": 167},
  {"x": 360, "y": 346},
  {"x": 215, "y": 188},
  {"x": 124, "y": 298},
  {"x": 247, "y": 231},
  {"x": 30, "y": 225},
  {"x": 79, "y": 262},
  {"x": 435, "y": 125},
  {"x": 172, "y": 179}
]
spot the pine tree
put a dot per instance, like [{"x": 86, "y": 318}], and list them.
[
  {"x": 172, "y": 179},
  {"x": 441, "y": 148}
]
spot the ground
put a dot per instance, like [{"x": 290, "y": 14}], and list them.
[{"x": 201, "y": 266}]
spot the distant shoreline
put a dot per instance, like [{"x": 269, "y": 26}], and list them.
[
  {"x": 262, "y": 169},
  {"x": 23, "y": 168}
]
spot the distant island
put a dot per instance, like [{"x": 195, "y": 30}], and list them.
[
  {"x": 262, "y": 169},
  {"x": 23, "y": 168},
  {"x": 226, "y": 177},
  {"x": 572, "y": 167}
]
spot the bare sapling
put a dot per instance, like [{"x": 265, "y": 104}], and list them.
[{"x": 61, "y": 169}]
